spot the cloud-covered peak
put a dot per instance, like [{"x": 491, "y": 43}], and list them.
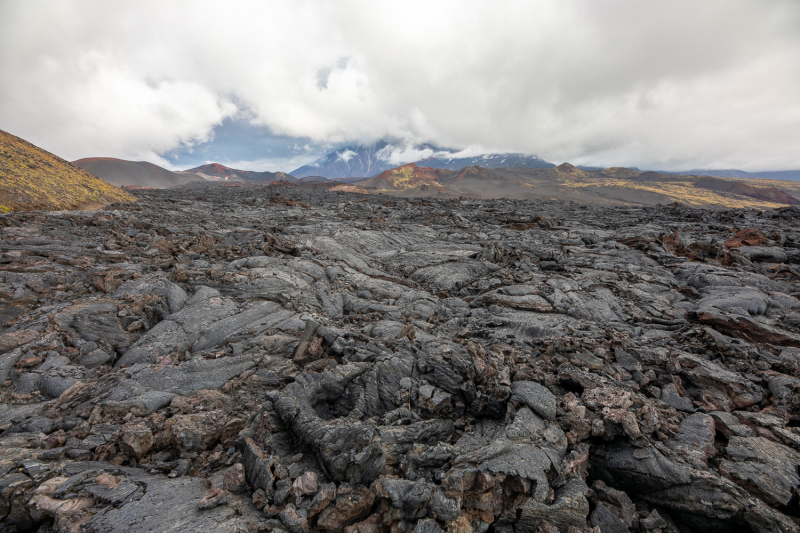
[{"x": 371, "y": 160}]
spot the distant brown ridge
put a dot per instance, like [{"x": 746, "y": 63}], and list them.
[
  {"x": 120, "y": 172},
  {"x": 770, "y": 194}
]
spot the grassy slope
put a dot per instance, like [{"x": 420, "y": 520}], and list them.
[
  {"x": 686, "y": 192},
  {"x": 621, "y": 185},
  {"x": 34, "y": 179}
]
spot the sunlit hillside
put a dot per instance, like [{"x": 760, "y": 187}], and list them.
[{"x": 34, "y": 179}]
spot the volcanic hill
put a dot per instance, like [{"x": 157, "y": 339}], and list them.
[
  {"x": 34, "y": 179},
  {"x": 120, "y": 172},
  {"x": 410, "y": 177}
]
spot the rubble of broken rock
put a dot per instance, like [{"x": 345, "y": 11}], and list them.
[{"x": 295, "y": 360}]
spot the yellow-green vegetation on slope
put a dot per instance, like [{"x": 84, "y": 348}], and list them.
[
  {"x": 610, "y": 186},
  {"x": 683, "y": 192},
  {"x": 630, "y": 186},
  {"x": 34, "y": 179},
  {"x": 408, "y": 177},
  {"x": 626, "y": 183},
  {"x": 400, "y": 178},
  {"x": 620, "y": 173}
]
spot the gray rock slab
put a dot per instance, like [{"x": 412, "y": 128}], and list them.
[{"x": 535, "y": 396}]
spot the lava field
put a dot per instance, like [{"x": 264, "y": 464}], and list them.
[{"x": 285, "y": 359}]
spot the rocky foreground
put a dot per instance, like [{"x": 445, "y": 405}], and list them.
[{"x": 282, "y": 359}]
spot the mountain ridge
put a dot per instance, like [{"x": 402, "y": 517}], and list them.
[
  {"x": 219, "y": 172},
  {"x": 793, "y": 175},
  {"x": 615, "y": 185},
  {"x": 371, "y": 160}
]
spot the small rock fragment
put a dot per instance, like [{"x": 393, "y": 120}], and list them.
[{"x": 213, "y": 498}]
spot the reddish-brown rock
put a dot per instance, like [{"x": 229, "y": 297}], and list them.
[
  {"x": 136, "y": 440},
  {"x": 351, "y": 505},
  {"x": 234, "y": 478}
]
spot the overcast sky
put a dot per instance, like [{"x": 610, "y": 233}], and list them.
[{"x": 271, "y": 85}]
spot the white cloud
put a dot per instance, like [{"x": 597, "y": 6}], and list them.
[
  {"x": 622, "y": 82},
  {"x": 346, "y": 155},
  {"x": 400, "y": 154}
]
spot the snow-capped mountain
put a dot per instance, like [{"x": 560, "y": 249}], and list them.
[
  {"x": 368, "y": 161},
  {"x": 486, "y": 161},
  {"x": 352, "y": 161}
]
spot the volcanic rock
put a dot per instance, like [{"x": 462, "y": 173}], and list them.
[{"x": 292, "y": 358}]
